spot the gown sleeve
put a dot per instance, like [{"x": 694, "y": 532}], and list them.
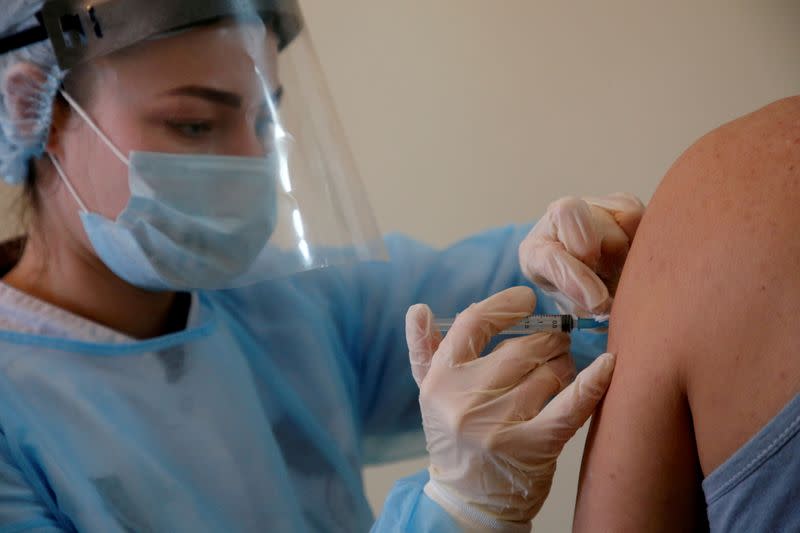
[{"x": 407, "y": 508}]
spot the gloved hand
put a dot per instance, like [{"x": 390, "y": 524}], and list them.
[
  {"x": 492, "y": 437},
  {"x": 577, "y": 250}
]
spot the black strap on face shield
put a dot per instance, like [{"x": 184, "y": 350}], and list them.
[{"x": 80, "y": 30}]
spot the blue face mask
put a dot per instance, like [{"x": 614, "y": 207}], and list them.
[{"x": 192, "y": 221}]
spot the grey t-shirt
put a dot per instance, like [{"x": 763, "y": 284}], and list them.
[{"x": 758, "y": 488}]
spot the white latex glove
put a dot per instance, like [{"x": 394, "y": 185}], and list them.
[
  {"x": 577, "y": 250},
  {"x": 492, "y": 437}
]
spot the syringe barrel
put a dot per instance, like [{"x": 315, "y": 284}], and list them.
[
  {"x": 528, "y": 325},
  {"x": 546, "y": 324}
]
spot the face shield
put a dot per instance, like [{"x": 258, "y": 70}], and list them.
[{"x": 238, "y": 168}]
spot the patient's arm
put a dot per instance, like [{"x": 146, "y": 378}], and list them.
[{"x": 704, "y": 327}]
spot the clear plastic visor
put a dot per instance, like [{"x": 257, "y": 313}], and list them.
[{"x": 226, "y": 88}]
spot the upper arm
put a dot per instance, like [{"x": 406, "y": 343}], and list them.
[
  {"x": 640, "y": 470},
  {"x": 701, "y": 313}
]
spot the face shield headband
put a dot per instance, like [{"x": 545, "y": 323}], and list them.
[{"x": 80, "y": 31}]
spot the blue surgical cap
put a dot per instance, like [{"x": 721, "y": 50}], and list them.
[{"x": 24, "y": 138}]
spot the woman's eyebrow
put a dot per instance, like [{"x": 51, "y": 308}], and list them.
[
  {"x": 207, "y": 93},
  {"x": 217, "y": 96}
]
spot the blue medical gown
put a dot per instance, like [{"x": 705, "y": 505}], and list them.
[{"x": 259, "y": 416}]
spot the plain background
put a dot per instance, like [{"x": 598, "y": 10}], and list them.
[{"x": 468, "y": 114}]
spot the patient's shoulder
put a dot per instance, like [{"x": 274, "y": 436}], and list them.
[
  {"x": 740, "y": 164},
  {"x": 718, "y": 254},
  {"x": 739, "y": 184}
]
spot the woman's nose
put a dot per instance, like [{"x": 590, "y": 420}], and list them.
[{"x": 248, "y": 144}]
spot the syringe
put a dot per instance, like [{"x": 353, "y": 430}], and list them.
[{"x": 539, "y": 324}]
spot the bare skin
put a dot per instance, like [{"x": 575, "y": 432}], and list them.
[
  {"x": 136, "y": 97},
  {"x": 703, "y": 327}
]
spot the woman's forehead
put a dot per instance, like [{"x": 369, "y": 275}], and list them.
[{"x": 242, "y": 56}]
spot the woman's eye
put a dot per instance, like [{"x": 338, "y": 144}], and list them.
[{"x": 191, "y": 129}]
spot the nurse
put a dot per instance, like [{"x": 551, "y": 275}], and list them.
[{"x": 204, "y": 331}]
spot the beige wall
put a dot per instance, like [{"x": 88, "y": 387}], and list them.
[{"x": 465, "y": 114}]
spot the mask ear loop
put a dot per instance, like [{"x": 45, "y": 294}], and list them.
[
  {"x": 66, "y": 182},
  {"x": 85, "y": 116}
]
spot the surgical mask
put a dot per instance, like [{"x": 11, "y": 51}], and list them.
[{"x": 192, "y": 221}]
